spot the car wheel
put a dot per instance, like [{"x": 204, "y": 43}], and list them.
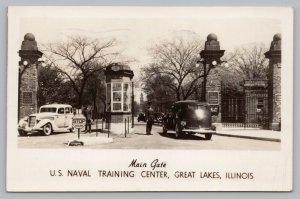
[
  {"x": 165, "y": 130},
  {"x": 208, "y": 136},
  {"x": 178, "y": 132},
  {"x": 22, "y": 133},
  {"x": 47, "y": 129}
]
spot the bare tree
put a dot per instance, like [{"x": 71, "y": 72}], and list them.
[
  {"x": 79, "y": 58},
  {"x": 176, "y": 59},
  {"x": 249, "y": 61},
  {"x": 159, "y": 90}
]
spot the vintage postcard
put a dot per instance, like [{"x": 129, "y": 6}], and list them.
[{"x": 149, "y": 99}]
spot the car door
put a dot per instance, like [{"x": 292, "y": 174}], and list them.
[
  {"x": 60, "y": 119},
  {"x": 68, "y": 116},
  {"x": 172, "y": 121}
]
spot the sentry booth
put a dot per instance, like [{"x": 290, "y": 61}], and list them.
[{"x": 118, "y": 93}]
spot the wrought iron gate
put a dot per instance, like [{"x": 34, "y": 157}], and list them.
[
  {"x": 233, "y": 112},
  {"x": 249, "y": 110}
]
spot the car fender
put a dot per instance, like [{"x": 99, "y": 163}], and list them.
[
  {"x": 45, "y": 121},
  {"x": 22, "y": 123}
]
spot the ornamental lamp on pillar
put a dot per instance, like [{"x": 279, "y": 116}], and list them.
[
  {"x": 28, "y": 76},
  {"x": 211, "y": 85},
  {"x": 118, "y": 93},
  {"x": 274, "y": 84},
  {"x": 211, "y": 57}
]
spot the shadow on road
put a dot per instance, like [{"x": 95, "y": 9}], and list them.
[
  {"x": 144, "y": 123},
  {"x": 140, "y": 133},
  {"x": 184, "y": 137},
  {"x": 140, "y": 124},
  {"x": 40, "y": 134}
]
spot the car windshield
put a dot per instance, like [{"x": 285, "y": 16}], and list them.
[
  {"x": 48, "y": 110},
  {"x": 191, "y": 108},
  {"x": 194, "y": 107}
]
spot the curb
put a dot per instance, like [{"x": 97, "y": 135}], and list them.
[{"x": 250, "y": 137}]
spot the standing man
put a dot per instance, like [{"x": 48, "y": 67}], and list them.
[
  {"x": 87, "y": 114},
  {"x": 89, "y": 119},
  {"x": 84, "y": 112},
  {"x": 149, "y": 119}
]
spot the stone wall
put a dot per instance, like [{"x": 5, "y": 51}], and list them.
[
  {"x": 28, "y": 91},
  {"x": 274, "y": 91},
  {"x": 275, "y": 94},
  {"x": 213, "y": 84}
]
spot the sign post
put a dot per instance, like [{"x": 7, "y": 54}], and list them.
[{"x": 78, "y": 121}]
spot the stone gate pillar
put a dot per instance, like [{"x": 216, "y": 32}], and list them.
[
  {"x": 274, "y": 88},
  {"x": 28, "y": 76},
  {"x": 211, "y": 89}
]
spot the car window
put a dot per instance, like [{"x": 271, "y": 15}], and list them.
[
  {"x": 61, "y": 111},
  {"x": 48, "y": 110},
  {"x": 67, "y": 110}
]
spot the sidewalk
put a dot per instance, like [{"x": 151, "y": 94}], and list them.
[
  {"x": 247, "y": 133},
  {"x": 115, "y": 128},
  {"x": 257, "y": 134},
  {"x": 95, "y": 137}
]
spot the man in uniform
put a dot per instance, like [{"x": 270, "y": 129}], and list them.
[
  {"x": 87, "y": 112},
  {"x": 149, "y": 119}
]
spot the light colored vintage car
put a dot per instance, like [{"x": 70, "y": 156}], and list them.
[{"x": 51, "y": 118}]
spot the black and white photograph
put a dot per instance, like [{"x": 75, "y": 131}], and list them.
[{"x": 162, "y": 98}]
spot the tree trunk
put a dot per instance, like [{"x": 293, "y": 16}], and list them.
[
  {"x": 95, "y": 103},
  {"x": 178, "y": 95},
  {"x": 79, "y": 100}
]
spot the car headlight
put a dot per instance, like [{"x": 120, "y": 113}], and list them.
[
  {"x": 23, "y": 120},
  {"x": 183, "y": 123},
  {"x": 200, "y": 113}
]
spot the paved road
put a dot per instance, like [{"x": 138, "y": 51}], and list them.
[{"x": 139, "y": 140}]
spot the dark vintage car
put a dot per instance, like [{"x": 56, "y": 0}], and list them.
[
  {"x": 189, "y": 117},
  {"x": 158, "y": 117}
]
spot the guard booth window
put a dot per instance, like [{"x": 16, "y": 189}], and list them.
[
  {"x": 117, "y": 96},
  {"x": 126, "y": 98}
]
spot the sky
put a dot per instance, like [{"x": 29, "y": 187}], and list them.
[{"x": 136, "y": 35}]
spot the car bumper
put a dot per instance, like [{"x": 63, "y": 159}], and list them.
[
  {"x": 29, "y": 129},
  {"x": 200, "y": 131}
]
